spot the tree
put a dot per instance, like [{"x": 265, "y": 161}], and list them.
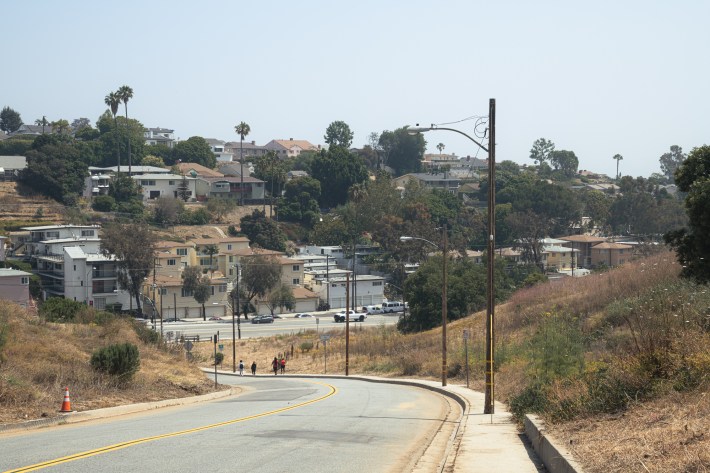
[
  {"x": 404, "y": 152},
  {"x": 113, "y": 100},
  {"x": 167, "y": 210},
  {"x": 193, "y": 282},
  {"x": 78, "y": 124},
  {"x": 692, "y": 244},
  {"x": 564, "y": 161},
  {"x": 338, "y": 133},
  {"x": 211, "y": 250},
  {"x": 618, "y": 158},
  {"x": 194, "y": 150},
  {"x": 440, "y": 147},
  {"x": 242, "y": 130},
  {"x": 10, "y": 120},
  {"x": 60, "y": 126},
  {"x": 155, "y": 161},
  {"x": 125, "y": 93},
  {"x": 541, "y": 149},
  {"x": 43, "y": 122},
  {"x": 55, "y": 169},
  {"x": 183, "y": 190},
  {"x": 272, "y": 170},
  {"x": 300, "y": 201},
  {"x": 263, "y": 231},
  {"x": 466, "y": 292},
  {"x": 220, "y": 207},
  {"x": 337, "y": 169},
  {"x": 133, "y": 247},
  {"x": 259, "y": 275},
  {"x": 282, "y": 297},
  {"x": 671, "y": 161}
]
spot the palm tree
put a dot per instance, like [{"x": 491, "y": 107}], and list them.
[
  {"x": 618, "y": 158},
  {"x": 242, "y": 130},
  {"x": 43, "y": 123},
  {"x": 125, "y": 93},
  {"x": 113, "y": 100},
  {"x": 440, "y": 147}
]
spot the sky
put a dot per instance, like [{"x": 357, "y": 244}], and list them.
[{"x": 598, "y": 78}]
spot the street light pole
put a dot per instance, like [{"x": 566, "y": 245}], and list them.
[
  {"x": 444, "y": 314},
  {"x": 490, "y": 287}
]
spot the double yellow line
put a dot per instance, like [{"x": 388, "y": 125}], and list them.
[{"x": 130, "y": 443}]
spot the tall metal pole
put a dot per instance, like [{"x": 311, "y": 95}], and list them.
[
  {"x": 444, "y": 309},
  {"x": 241, "y": 169},
  {"x": 234, "y": 336},
  {"x": 347, "y": 324},
  {"x": 327, "y": 279},
  {"x": 489, "y": 407}
]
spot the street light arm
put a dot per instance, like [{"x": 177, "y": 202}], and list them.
[
  {"x": 413, "y": 130},
  {"x": 411, "y": 238}
]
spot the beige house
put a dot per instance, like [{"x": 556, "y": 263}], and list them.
[
  {"x": 584, "y": 244},
  {"x": 611, "y": 254},
  {"x": 15, "y": 286},
  {"x": 559, "y": 257},
  {"x": 290, "y": 148}
]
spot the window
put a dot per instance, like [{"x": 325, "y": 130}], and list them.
[
  {"x": 296, "y": 281},
  {"x": 163, "y": 291},
  {"x": 204, "y": 261},
  {"x": 229, "y": 246},
  {"x": 171, "y": 183},
  {"x": 231, "y": 259},
  {"x": 52, "y": 235},
  {"x": 182, "y": 251},
  {"x": 296, "y": 267},
  {"x": 87, "y": 233},
  {"x": 185, "y": 293},
  {"x": 147, "y": 182},
  {"x": 376, "y": 283},
  {"x": 25, "y": 280},
  {"x": 171, "y": 262}
]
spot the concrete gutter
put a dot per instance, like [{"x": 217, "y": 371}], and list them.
[{"x": 556, "y": 458}]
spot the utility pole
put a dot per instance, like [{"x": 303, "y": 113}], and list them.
[
  {"x": 489, "y": 402},
  {"x": 444, "y": 315},
  {"x": 327, "y": 279},
  {"x": 347, "y": 324}
]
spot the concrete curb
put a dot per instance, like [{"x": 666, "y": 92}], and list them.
[{"x": 556, "y": 458}]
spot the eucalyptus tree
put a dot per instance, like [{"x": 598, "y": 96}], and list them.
[
  {"x": 113, "y": 100},
  {"x": 125, "y": 93},
  {"x": 242, "y": 130}
]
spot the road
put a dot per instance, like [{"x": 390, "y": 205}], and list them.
[
  {"x": 278, "y": 424},
  {"x": 283, "y": 326}
]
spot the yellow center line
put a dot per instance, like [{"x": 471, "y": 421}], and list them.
[{"x": 130, "y": 443}]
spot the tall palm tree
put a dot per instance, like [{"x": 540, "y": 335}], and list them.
[
  {"x": 125, "y": 93},
  {"x": 43, "y": 123},
  {"x": 242, "y": 130},
  {"x": 618, "y": 158},
  {"x": 440, "y": 147},
  {"x": 113, "y": 100}
]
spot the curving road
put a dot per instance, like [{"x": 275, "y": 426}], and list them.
[{"x": 278, "y": 424}]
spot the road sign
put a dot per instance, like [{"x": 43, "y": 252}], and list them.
[
  {"x": 325, "y": 338},
  {"x": 188, "y": 345},
  {"x": 221, "y": 347},
  {"x": 465, "y": 334}
]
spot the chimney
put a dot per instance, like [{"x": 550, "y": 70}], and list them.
[
  {"x": 253, "y": 142},
  {"x": 290, "y": 139}
]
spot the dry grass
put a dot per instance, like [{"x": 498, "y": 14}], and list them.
[{"x": 40, "y": 359}]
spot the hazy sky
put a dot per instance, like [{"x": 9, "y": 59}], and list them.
[{"x": 598, "y": 78}]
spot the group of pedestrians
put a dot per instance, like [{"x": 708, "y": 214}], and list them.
[
  {"x": 276, "y": 364},
  {"x": 241, "y": 368}
]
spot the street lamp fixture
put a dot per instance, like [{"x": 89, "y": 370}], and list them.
[
  {"x": 445, "y": 251},
  {"x": 489, "y": 407}
]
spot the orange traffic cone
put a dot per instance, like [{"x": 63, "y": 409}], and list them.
[{"x": 66, "y": 405}]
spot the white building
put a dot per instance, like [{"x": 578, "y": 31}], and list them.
[{"x": 164, "y": 185}]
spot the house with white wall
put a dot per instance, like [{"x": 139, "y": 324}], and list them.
[
  {"x": 154, "y": 186},
  {"x": 15, "y": 286}
]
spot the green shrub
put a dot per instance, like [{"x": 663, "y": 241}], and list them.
[
  {"x": 306, "y": 347},
  {"x": 103, "y": 203},
  {"x": 218, "y": 358},
  {"x": 146, "y": 334},
  {"x": 120, "y": 360},
  {"x": 57, "y": 309},
  {"x": 4, "y": 329},
  {"x": 534, "y": 398}
]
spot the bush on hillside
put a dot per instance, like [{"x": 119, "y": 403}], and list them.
[
  {"x": 103, "y": 203},
  {"x": 57, "y": 309},
  {"x": 120, "y": 360}
]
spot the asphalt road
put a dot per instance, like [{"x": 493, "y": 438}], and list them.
[
  {"x": 279, "y": 424},
  {"x": 283, "y": 326}
]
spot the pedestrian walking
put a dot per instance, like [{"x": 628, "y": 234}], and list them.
[
  {"x": 253, "y": 368},
  {"x": 275, "y": 366},
  {"x": 283, "y": 365},
  {"x": 241, "y": 368}
]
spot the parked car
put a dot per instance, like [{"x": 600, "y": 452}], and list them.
[
  {"x": 340, "y": 317},
  {"x": 372, "y": 309},
  {"x": 215, "y": 318},
  {"x": 262, "y": 319},
  {"x": 302, "y": 316}
]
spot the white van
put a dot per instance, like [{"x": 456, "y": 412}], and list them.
[
  {"x": 372, "y": 309},
  {"x": 390, "y": 307}
]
